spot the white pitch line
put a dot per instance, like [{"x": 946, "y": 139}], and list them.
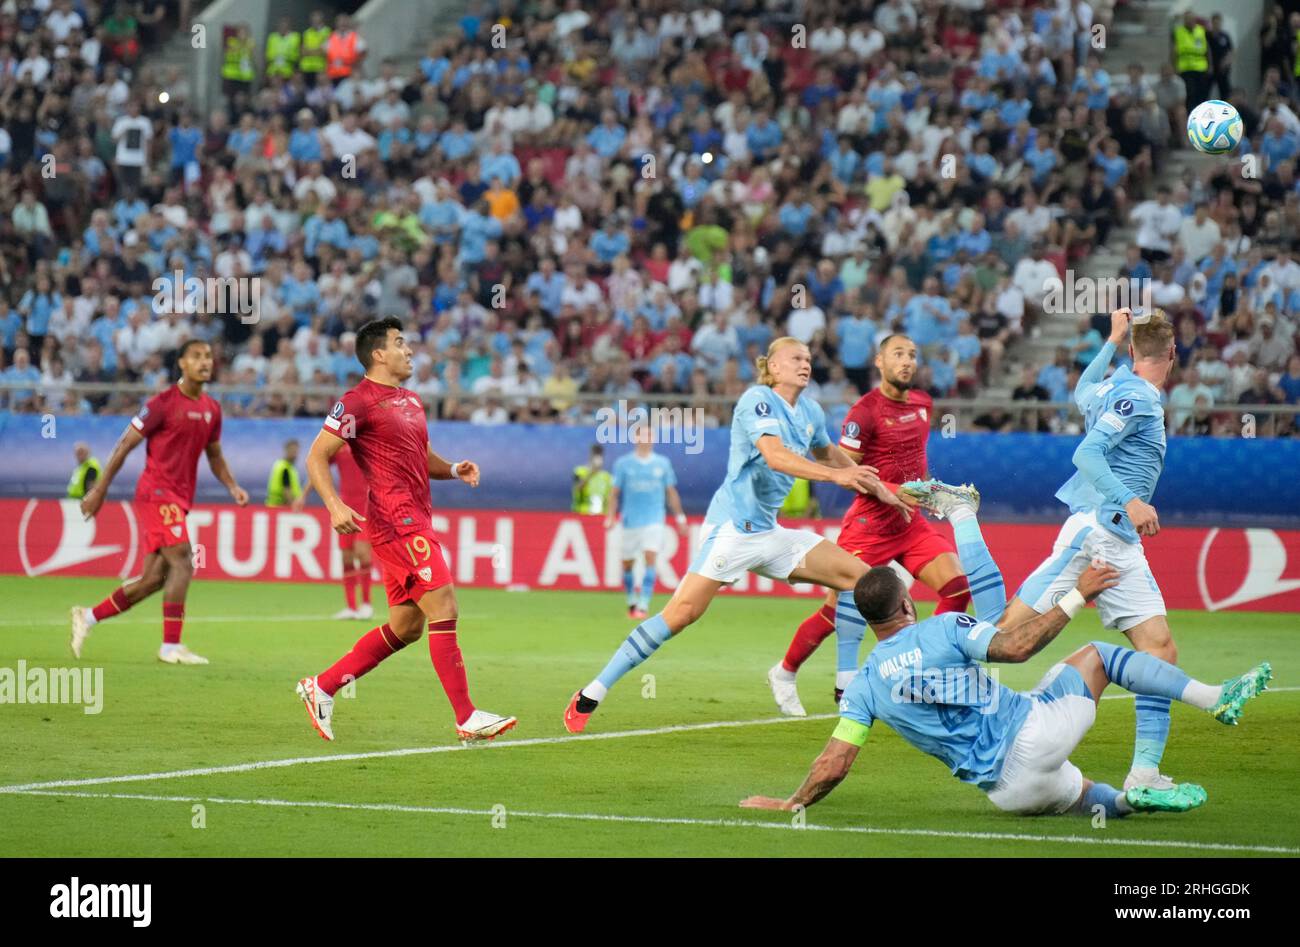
[
  {"x": 410, "y": 751},
  {"x": 707, "y": 823}
]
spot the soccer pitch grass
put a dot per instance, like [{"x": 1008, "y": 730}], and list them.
[{"x": 400, "y": 784}]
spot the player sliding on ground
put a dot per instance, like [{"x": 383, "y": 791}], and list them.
[
  {"x": 385, "y": 426},
  {"x": 923, "y": 679},
  {"x": 180, "y": 424},
  {"x": 887, "y": 429},
  {"x": 772, "y": 431},
  {"x": 1118, "y": 464}
]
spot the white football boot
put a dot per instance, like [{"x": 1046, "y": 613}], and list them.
[
  {"x": 482, "y": 725},
  {"x": 80, "y": 630},
  {"x": 365, "y": 610},
  {"x": 345, "y": 614},
  {"x": 179, "y": 654},
  {"x": 785, "y": 691},
  {"x": 320, "y": 707}
]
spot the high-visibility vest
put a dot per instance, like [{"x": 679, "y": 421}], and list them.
[
  {"x": 77, "y": 483},
  {"x": 313, "y": 49},
  {"x": 342, "y": 52},
  {"x": 798, "y": 499},
  {"x": 282, "y": 53},
  {"x": 280, "y": 471},
  {"x": 592, "y": 498},
  {"x": 238, "y": 64},
  {"x": 1191, "y": 49}
]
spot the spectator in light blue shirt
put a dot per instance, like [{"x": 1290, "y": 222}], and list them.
[
  {"x": 548, "y": 284},
  {"x": 1055, "y": 377},
  {"x": 763, "y": 136},
  {"x": 501, "y": 164},
  {"x": 845, "y": 162},
  {"x": 185, "y": 140},
  {"x": 10, "y": 325},
  {"x": 456, "y": 142},
  {"x": 21, "y": 371},
  {"x": 607, "y": 138},
  {"x": 609, "y": 242},
  {"x": 304, "y": 141},
  {"x": 477, "y": 229},
  {"x": 795, "y": 214}
]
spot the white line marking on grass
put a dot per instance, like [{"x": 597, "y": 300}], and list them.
[
  {"x": 201, "y": 619},
  {"x": 706, "y": 823},
  {"x": 411, "y": 751}
]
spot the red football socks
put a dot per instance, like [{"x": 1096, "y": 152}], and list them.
[
  {"x": 447, "y": 661},
  {"x": 954, "y": 596},
  {"x": 363, "y": 577},
  {"x": 815, "y": 629},
  {"x": 371, "y": 648},
  {"x": 173, "y": 619},
  {"x": 115, "y": 604},
  {"x": 350, "y": 589}
]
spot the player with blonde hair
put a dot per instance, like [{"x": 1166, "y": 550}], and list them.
[{"x": 773, "y": 430}]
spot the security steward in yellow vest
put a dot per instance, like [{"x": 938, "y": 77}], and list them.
[
  {"x": 283, "y": 48},
  {"x": 1192, "y": 58},
  {"x": 88, "y": 471},
  {"x": 592, "y": 484},
  {"x": 312, "y": 61},
  {"x": 237, "y": 70},
  {"x": 283, "y": 486}
]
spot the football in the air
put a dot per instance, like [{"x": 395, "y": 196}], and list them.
[{"x": 1214, "y": 127}]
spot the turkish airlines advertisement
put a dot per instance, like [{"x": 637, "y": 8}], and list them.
[{"x": 1247, "y": 569}]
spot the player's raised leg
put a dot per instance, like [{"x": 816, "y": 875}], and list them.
[
  {"x": 959, "y": 505},
  {"x": 151, "y": 579},
  {"x": 690, "y": 600}
]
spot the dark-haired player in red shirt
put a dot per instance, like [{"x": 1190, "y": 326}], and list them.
[
  {"x": 354, "y": 547},
  {"x": 385, "y": 426},
  {"x": 887, "y": 429},
  {"x": 179, "y": 424}
]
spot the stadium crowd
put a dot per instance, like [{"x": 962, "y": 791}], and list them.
[{"x": 621, "y": 201}]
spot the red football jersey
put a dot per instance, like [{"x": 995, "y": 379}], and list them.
[
  {"x": 890, "y": 435},
  {"x": 386, "y": 430},
  {"x": 176, "y": 428},
  {"x": 352, "y": 482}
]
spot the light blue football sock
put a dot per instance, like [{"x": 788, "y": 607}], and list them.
[
  {"x": 850, "y": 629},
  {"x": 1141, "y": 673},
  {"x": 1109, "y": 798},
  {"x": 1152, "y": 732},
  {"x": 629, "y": 586},
  {"x": 987, "y": 590},
  {"x": 647, "y": 586},
  {"x": 644, "y": 641}
]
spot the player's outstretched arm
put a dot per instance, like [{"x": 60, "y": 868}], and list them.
[
  {"x": 94, "y": 497},
  {"x": 837, "y": 458},
  {"x": 783, "y": 460},
  {"x": 828, "y": 771},
  {"x": 676, "y": 508},
  {"x": 343, "y": 519},
  {"x": 221, "y": 470},
  {"x": 1019, "y": 643}
]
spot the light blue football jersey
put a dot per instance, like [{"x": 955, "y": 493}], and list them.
[
  {"x": 753, "y": 492},
  {"x": 925, "y": 682},
  {"x": 1123, "y": 452},
  {"x": 642, "y": 485}
]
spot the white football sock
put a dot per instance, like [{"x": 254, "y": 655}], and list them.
[{"x": 1201, "y": 695}]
